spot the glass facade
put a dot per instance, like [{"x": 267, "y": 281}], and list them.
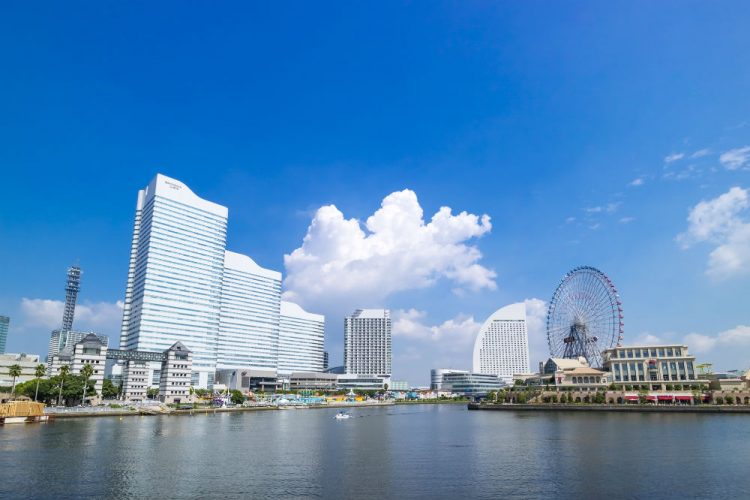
[{"x": 4, "y": 324}]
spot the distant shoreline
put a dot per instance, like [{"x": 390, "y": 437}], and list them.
[
  {"x": 208, "y": 411},
  {"x": 725, "y": 409}
]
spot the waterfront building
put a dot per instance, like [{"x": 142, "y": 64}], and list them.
[
  {"x": 90, "y": 351},
  {"x": 367, "y": 342},
  {"x": 249, "y": 380},
  {"x": 62, "y": 358},
  {"x": 175, "y": 374},
  {"x": 437, "y": 374},
  {"x": 4, "y": 327},
  {"x": 652, "y": 367},
  {"x": 399, "y": 385},
  {"x": 135, "y": 380},
  {"x": 301, "y": 337},
  {"x": 351, "y": 381},
  {"x": 502, "y": 345},
  {"x": 27, "y": 362},
  {"x": 573, "y": 374},
  {"x": 325, "y": 360},
  {"x": 315, "y": 381},
  {"x": 249, "y": 320},
  {"x": 471, "y": 385},
  {"x": 173, "y": 291},
  {"x": 60, "y": 339}
]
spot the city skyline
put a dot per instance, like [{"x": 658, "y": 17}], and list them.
[{"x": 554, "y": 144}]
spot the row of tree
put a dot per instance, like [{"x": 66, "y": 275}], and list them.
[{"x": 63, "y": 387}]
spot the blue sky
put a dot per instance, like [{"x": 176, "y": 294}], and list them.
[{"x": 587, "y": 132}]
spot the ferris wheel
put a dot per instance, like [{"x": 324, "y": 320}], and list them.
[{"x": 584, "y": 316}]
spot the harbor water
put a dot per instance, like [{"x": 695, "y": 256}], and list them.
[{"x": 410, "y": 451}]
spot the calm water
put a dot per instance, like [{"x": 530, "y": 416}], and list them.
[{"x": 395, "y": 452}]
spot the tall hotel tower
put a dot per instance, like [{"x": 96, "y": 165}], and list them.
[
  {"x": 173, "y": 292},
  {"x": 300, "y": 340},
  {"x": 502, "y": 345},
  {"x": 367, "y": 342}
]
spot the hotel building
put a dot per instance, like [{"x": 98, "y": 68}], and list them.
[
  {"x": 502, "y": 345},
  {"x": 367, "y": 342},
  {"x": 654, "y": 367},
  {"x": 300, "y": 340}
]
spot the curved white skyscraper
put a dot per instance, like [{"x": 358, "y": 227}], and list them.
[{"x": 502, "y": 345}]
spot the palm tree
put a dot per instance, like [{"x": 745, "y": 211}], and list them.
[
  {"x": 86, "y": 371},
  {"x": 64, "y": 370},
  {"x": 15, "y": 372},
  {"x": 39, "y": 371}
]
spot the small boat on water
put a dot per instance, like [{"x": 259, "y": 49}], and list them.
[{"x": 342, "y": 416}]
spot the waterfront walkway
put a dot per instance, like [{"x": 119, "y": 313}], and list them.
[{"x": 613, "y": 408}]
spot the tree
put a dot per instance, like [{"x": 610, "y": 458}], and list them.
[
  {"x": 64, "y": 370},
  {"x": 151, "y": 393},
  {"x": 237, "y": 397},
  {"x": 642, "y": 395},
  {"x": 109, "y": 390},
  {"x": 86, "y": 373},
  {"x": 39, "y": 371},
  {"x": 15, "y": 372}
]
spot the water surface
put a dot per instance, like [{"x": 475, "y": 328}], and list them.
[{"x": 416, "y": 451}]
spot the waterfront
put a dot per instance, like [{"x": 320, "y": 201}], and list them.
[{"x": 414, "y": 451}]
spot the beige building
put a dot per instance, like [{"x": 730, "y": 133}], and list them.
[
  {"x": 573, "y": 374},
  {"x": 27, "y": 362},
  {"x": 135, "y": 380},
  {"x": 174, "y": 382},
  {"x": 655, "y": 368},
  {"x": 90, "y": 351}
]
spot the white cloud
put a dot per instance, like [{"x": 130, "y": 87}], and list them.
[
  {"x": 647, "y": 339},
  {"x": 718, "y": 221},
  {"x": 342, "y": 262},
  {"x": 460, "y": 330},
  {"x": 637, "y": 182},
  {"x": 700, "y": 153},
  {"x": 536, "y": 325},
  {"x": 674, "y": 157},
  {"x": 570, "y": 220},
  {"x": 103, "y": 317},
  {"x": 626, "y": 220},
  {"x": 734, "y": 338},
  {"x": 735, "y": 159}
]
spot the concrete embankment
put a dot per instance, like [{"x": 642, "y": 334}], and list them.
[
  {"x": 612, "y": 408},
  {"x": 207, "y": 411}
]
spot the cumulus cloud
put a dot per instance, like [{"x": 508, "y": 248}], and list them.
[
  {"x": 536, "y": 325},
  {"x": 396, "y": 250},
  {"x": 104, "y": 317},
  {"x": 674, "y": 157},
  {"x": 736, "y": 337},
  {"x": 637, "y": 182},
  {"x": 735, "y": 159},
  {"x": 719, "y": 221},
  {"x": 648, "y": 339},
  {"x": 459, "y": 331}
]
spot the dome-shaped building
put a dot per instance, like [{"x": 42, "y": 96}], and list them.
[{"x": 502, "y": 345}]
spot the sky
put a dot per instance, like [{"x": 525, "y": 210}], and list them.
[{"x": 441, "y": 159}]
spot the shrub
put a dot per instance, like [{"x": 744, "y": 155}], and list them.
[
  {"x": 719, "y": 400},
  {"x": 729, "y": 400}
]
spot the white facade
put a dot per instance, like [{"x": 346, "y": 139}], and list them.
[
  {"x": 367, "y": 342},
  {"x": 27, "y": 362},
  {"x": 60, "y": 339},
  {"x": 175, "y": 274},
  {"x": 90, "y": 351},
  {"x": 301, "y": 337},
  {"x": 135, "y": 380},
  {"x": 502, "y": 345},
  {"x": 249, "y": 319},
  {"x": 436, "y": 377},
  {"x": 174, "y": 382}
]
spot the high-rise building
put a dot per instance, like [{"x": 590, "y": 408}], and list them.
[
  {"x": 325, "y": 360},
  {"x": 301, "y": 337},
  {"x": 72, "y": 287},
  {"x": 367, "y": 342},
  {"x": 60, "y": 339},
  {"x": 249, "y": 319},
  {"x": 502, "y": 345},
  {"x": 175, "y": 273},
  {"x": 4, "y": 325}
]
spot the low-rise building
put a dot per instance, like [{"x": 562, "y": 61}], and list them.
[
  {"x": 436, "y": 377},
  {"x": 176, "y": 370},
  {"x": 471, "y": 385},
  {"x": 399, "y": 385},
  {"x": 361, "y": 382},
  {"x": 656, "y": 368},
  {"x": 27, "y": 362},
  {"x": 135, "y": 380},
  {"x": 90, "y": 351},
  {"x": 312, "y": 381}
]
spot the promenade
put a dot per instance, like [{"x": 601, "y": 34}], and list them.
[{"x": 637, "y": 408}]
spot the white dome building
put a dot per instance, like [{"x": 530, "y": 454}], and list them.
[{"x": 502, "y": 345}]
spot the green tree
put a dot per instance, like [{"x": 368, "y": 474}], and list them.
[
  {"x": 86, "y": 373},
  {"x": 151, "y": 393},
  {"x": 39, "y": 372},
  {"x": 109, "y": 390},
  {"x": 15, "y": 372},
  {"x": 237, "y": 397},
  {"x": 642, "y": 395},
  {"x": 64, "y": 370}
]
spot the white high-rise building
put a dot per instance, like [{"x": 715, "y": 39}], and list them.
[
  {"x": 174, "y": 284},
  {"x": 367, "y": 342},
  {"x": 301, "y": 336},
  {"x": 502, "y": 345},
  {"x": 249, "y": 320}
]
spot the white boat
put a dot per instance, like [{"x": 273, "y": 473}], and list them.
[{"x": 342, "y": 416}]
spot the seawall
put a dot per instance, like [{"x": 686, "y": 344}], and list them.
[{"x": 612, "y": 408}]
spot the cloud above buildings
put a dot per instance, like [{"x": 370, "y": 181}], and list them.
[
  {"x": 344, "y": 261},
  {"x": 734, "y": 338},
  {"x": 719, "y": 221},
  {"x": 102, "y": 317}
]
